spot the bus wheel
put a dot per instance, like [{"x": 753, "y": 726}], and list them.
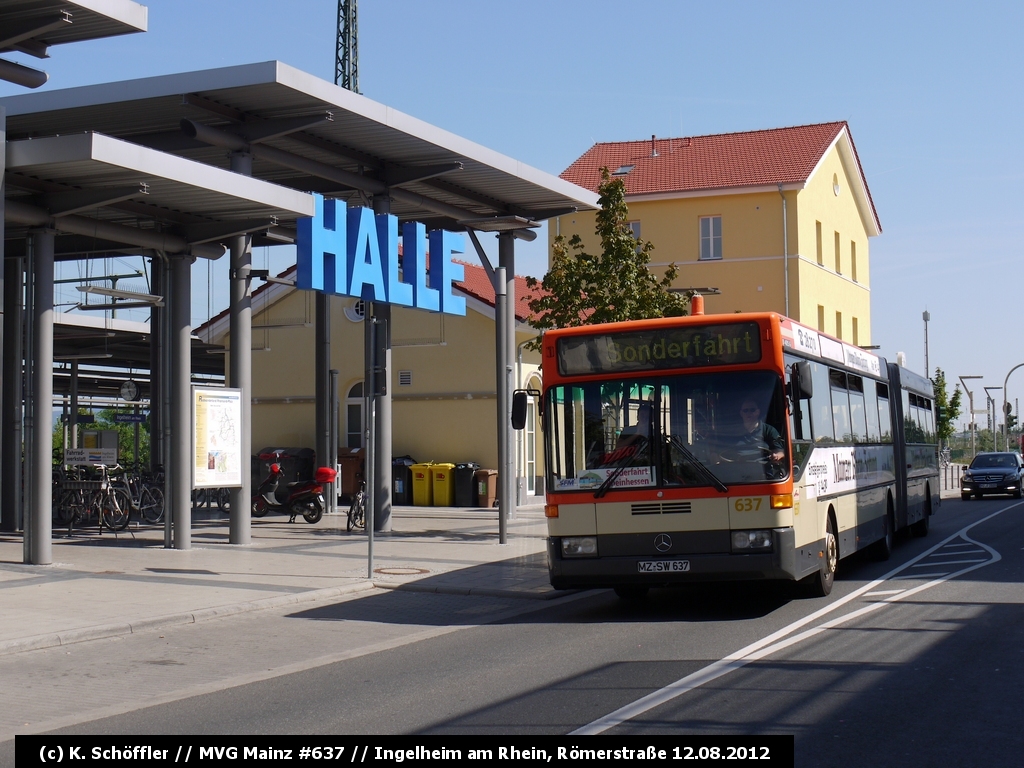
[
  {"x": 883, "y": 547},
  {"x": 820, "y": 584},
  {"x": 632, "y": 592},
  {"x": 920, "y": 528}
]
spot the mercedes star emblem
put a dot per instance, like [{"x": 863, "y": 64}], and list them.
[{"x": 663, "y": 542}]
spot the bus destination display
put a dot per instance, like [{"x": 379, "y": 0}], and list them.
[{"x": 688, "y": 346}]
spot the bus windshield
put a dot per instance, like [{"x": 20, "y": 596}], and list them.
[{"x": 673, "y": 431}]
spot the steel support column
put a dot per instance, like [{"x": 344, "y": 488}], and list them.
[
  {"x": 179, "y": 476},
  {"x": 322, "y": 380},
  {"x": 503, "y": 423},
  {"x": 383, "y": 420},
  {"x": 40, "y": 550},
  {"x": 240, "y": 375},
  {"x": 10, "y": 469},
  {"x": 507, "y": 472}
]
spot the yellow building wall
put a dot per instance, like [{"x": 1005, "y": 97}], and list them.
[
  {"x": 751, "y": 272},
  {"x": 823, "y": 285},
  {"x": 446, "y": 413}
]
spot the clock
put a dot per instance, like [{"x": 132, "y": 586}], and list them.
[{"x": 130, "y": 391}]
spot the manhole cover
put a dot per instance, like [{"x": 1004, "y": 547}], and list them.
[{"x": 400, "y": 571}]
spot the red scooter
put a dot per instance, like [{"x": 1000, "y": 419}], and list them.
[{"x": 305, "y": 497}]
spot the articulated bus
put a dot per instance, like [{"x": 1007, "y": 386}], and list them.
[{"x": 726, "y": 447}]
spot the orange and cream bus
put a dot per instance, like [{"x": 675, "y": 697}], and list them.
[{"x": 722, "y": 447}]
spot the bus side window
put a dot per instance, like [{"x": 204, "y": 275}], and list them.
[
  {"x": 871, "y": 411},
  {"x": 840, "y": 406},
  {"x": 856, "y": 386},
  {"x": 821, "y": 405},
  {"x": 929, "y": 419},
  {"x": 800, "y": 413},
  {"x": 884, "y": 412}
]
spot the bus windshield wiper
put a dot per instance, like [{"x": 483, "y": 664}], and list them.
[
  {"x": 702, "y": 470},
  {"x": 623, "y": 462}
]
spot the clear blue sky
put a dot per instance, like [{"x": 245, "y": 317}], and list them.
[{"x": 931, "y": 92}]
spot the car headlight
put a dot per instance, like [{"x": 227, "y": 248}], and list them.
[
  {"x": 747, "y": 541},
  {"x": 579, "y": 546}
]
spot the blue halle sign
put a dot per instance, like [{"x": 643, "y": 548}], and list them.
[{"x": 354, "y": 252}]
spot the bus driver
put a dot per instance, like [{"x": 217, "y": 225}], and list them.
[{"x": 757, "y": 435}]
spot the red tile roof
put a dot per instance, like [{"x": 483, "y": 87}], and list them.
[
  {"x": 478, "y": 286},
  {"x": 776, "y": 156}
]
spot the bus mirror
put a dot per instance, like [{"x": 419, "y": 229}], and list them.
[
  {"x": 801, "y": 383},
  {"x": 519, "y": 409},
  {"x": 519, "y": 403}
]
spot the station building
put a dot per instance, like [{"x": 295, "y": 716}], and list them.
[{"x": 776, "y": 220}]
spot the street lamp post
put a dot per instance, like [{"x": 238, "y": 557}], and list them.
[
  {"x": 970, "y": 403},
  {"x": 1006, "y": 413},
  {"x": 926, "y": 317},
  {"x": 995, "y": 422}
]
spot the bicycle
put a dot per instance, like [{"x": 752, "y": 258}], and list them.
[
  {"x": 357, "y": 511},
  {"x": 144, "y": 495},
  {"x": 81, "y": 499}
]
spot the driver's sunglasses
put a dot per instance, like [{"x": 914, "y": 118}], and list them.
[{"x": 749, "y": 410}]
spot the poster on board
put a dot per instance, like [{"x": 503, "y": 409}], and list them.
[{"x": 217, "y": 437}]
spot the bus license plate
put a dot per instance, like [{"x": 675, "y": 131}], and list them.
[{"x": 663, "y": 566}]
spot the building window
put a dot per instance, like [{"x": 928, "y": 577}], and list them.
[
  {"x": 853, "y": 260},
  {"x": 855, "y": 331},
  {"x": 839, "y": 263},
  {"x": 839, "y": 325},
  {"x": 817, "y": 239},
  {"x": 354, "y": 416},
  {"x": 710, "y": 237},
  {"x": 821, "y": 318}
]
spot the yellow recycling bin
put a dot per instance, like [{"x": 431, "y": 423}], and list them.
[
  {"x": 422, "y": 485},
  {"x": 444, "y": 484}
]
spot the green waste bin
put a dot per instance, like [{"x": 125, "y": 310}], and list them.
[
  {"x": 443, "y": 477},
  {"x": 422, "y": 485}
]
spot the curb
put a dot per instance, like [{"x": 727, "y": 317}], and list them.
[
  {"x": 549, "y": 594},
  {"x": 56, "y": 639}
]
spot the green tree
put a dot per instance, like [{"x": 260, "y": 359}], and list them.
[
  {"x": 945, "y": 418},
  {"x": 616, "y": 284},
  {"x": 105, "y": 420}
]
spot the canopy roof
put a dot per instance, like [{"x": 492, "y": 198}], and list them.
[{"x": 307, "y": 134}]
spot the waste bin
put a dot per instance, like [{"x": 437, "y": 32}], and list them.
[
  {"x": 443, "y": 476},
  {"x": 422, "y": 485},
  {"x": 486, "y": 487},
  {"x": 350, "y": 461},
  {"x": 465, "y": 493},
  {"x": 401, "y": 480}
]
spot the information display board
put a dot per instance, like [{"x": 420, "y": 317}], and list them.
[{"x": 217, "y": 437}]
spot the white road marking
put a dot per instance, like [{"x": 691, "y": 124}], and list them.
[
  {"x": 784, "y": 638},
  {"x": 879, "y": 592},
  {"x": 948, "y": 562}
]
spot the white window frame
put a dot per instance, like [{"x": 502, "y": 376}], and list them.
[{"x": 713, "y": 243}]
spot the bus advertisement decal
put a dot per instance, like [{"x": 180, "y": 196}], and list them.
[
  {"x": 841, "y": 470},
  {"x": 631, "y": 477}
]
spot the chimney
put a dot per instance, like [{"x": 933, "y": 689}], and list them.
[{"x": 654, "y": 149}]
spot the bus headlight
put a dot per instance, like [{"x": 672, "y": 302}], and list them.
[
  {"x": 747, "y": 541},
  {"x": 579, "y": 546}
]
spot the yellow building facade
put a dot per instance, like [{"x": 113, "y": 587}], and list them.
[{"x": 747, "y": 214}]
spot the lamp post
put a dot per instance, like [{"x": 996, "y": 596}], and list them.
[
  {"x": 995, "y": 423},
  {"x": 926, "y": 317},
  {"x": 1006, "y": 412},
  {"x": 970, "y": 403}
]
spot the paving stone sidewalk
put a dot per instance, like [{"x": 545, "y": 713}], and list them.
[{"x": 102, "y": 585}]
